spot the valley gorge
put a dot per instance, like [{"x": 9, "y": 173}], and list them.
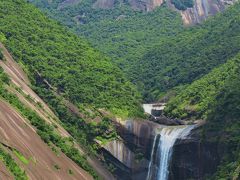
[{"x": 125, "y": 90}]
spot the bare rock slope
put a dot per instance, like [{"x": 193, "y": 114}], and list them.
[{"x": 16, "y": 132}]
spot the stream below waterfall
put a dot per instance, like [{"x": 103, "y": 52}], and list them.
[{"x": 162, "y": 149}]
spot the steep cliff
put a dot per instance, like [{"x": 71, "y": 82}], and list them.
[
  {"x": 202, "y": 9},
  {"x": 21, "y": 138},
  {"x": 130, "y": 155},
  {"x": 193, "y": 158}
]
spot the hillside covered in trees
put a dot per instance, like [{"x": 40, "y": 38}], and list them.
[
  {"x": 66, "y": 62},
  {"x": 189, "y": 55},
  {"x": 153, "y": 48},
  {"x": 120, "y": 32},
  {"x": 214, "y": 97},
  {"x": 33, "y": 144},
  {"x": 153, "y": 56}
]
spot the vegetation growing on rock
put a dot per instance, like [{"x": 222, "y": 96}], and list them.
[
  {"x": 65, "y": 61},
  {"x": 13, "y": 167}
]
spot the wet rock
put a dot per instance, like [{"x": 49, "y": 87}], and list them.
[
  {"x": 194, "y": 159},
  {"x": 166, "y": 121}
]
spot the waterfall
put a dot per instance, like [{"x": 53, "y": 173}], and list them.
[
  {"x": 161, "y": 155},
  {"x": 151, "y": 161},
  {"x": 147, "y": 108}
]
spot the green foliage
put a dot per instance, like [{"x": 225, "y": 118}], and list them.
[
  {"x": 2, "y": 38},
  {"x": 46, "y": 131},
  {"x": 189, "y": 55},
  {"x": 3, "y": 77},
  {"x": 1, "y": 54},
  {"x": 67, "y": 62},
  {"x": 194, "y": 101},
  {"x": 127, "y": 39},
  {"x": 153, "y": 48},
  {"x": 21, "y": 157},
  {"x": 121, "y": 32},
  {"x": 139, "y": 156},
  {"x": 225, "y": 121},
  {"x": 215, "y": 98},
  {"x": 6, "y": 158},
  {"x": 70, "y": 172},
  {"x": 84, "y": 133},
  {"x": 175, "y": 58}
]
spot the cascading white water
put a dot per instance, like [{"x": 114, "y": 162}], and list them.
[
  {"x": 151, "y": 161},
  {"x": 168, "y": 136},
  {"x": 148, "y": 108}
]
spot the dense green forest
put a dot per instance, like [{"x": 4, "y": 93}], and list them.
[
  {"x": 127, "y": 39},
  {"x": 224, "y": 119},
  {"x": 201, "y": 64},
  {"x": 120, "y": 32},
  {"x": 196, "y": 100},
  {"x": 67, "y": 62},
  {"x": 190, "y": 55},
  {"x": 154, "y": 49},
  {"x": 215, "y": 98}
]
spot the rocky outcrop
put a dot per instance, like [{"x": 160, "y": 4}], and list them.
[
  {"x": 194, "y": 159},
  {"x": 144, "y": 5},
  {"x": 166, "y": 121},
  {"x": 130, "y": 156},
  {"x": 128, "y": 161},
  {"x": 121, "y": 152},
  {"x": 138, "y": 132},
  {"x": 203, "y": 9}
]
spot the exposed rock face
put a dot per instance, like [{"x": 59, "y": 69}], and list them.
[
  {"x": 202, "y": 9},
  {"x": 193, "y": 159},
  {"x": 125, "y": 160},
  {"x": 167, "y": 121},
  {"x": 144, "y": 5},
  {"x": 199, "y": 12},
  {"x": 131, "y": 156},
  {"x": 121, "y": 152},
  {"x": 139, "y": 132}
]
